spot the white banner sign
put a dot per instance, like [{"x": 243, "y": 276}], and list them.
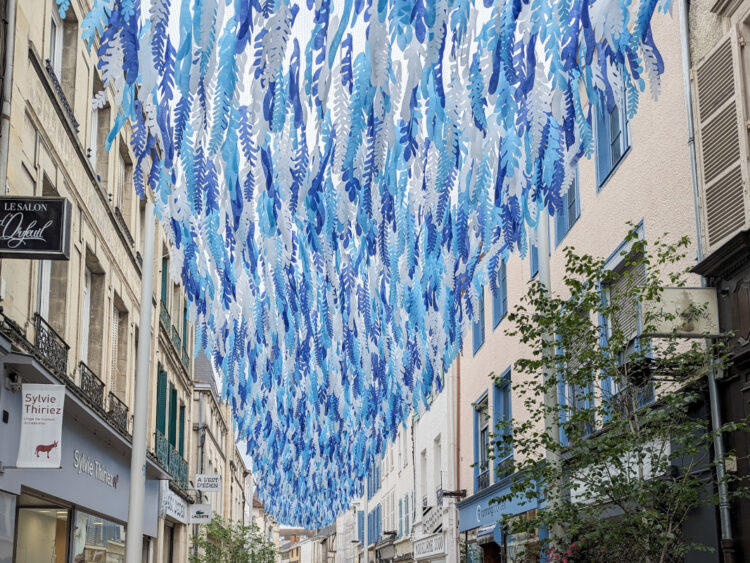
[
  {"x": 208, "y": 483},
  {"x": 429, "y": 546},
  {"x": 200, "y": 513},
  {"x": 172, "y": 505},
  {"x": 41, "y": 425}
]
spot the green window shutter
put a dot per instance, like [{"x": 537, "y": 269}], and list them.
[
  {"x": 181, "y": 448},
  {"x": 164, "y": 279},
  {"x": 161, "y": 401},
  {"x": 184, "y": 327},
  {"x": 172, "y": 415}
]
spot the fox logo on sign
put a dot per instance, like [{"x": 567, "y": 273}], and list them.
[{"x": 41, "y": 425}]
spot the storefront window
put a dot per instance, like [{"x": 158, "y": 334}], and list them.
[
  {"x": 97, "y": 540},
  {"x": 42, "y": 535}
]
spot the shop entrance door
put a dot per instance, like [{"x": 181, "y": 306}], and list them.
[{"x": 168, "y": 542}]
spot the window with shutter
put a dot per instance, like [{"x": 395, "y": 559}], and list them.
[
  {"x": 161, "y": 401},
  {"x": 568, "y": 214},
  {"x": 625, "y": 318},
  {"x": 172, "y": 415},
  {"x": 113, "y": 349},
  {"x": 722, "y": 140},
  {"x": 478, "y": 326},
  {"x": 164, "y": 279},
  {"x": 500, "y": 296},
  {"x": 612, "y": 139},
  {"x": 181, "y": 447},
  {"x": 534, "y": 260}
]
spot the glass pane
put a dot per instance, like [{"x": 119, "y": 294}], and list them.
[
  {"x": 97, "y": 540},
  {"x": 42, "y": 535}
]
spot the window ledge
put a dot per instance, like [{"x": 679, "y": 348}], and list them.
[{"x": 614, "y": 169}]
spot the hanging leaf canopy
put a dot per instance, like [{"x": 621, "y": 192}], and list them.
[{"x": 339, "y": 178}]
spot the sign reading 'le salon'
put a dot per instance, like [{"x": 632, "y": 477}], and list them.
[{"x": 35, "y": 227}]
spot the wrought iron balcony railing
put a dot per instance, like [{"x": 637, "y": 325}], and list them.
[
  {"x": 124, "y": 225},
  {"x": 92, "y": 387},
  {"x": 171, "y": 460},
  {"x": 139, "y": 258},
  {"x": 164, "y": 317},
  {"x": 61, "y": 94},
  {"x": 186, "y": 359},
  {"x": 483, "y": 480},
  {"x": 50, "y": 348},
  {"x": 118, "y": 413},
  {"x": 176, "y": 340}
]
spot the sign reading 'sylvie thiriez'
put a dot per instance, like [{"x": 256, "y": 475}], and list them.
[
  {"x": 200, "y": 513},
  {"x": 35, "y": 227},
  {"x": 41, "y": 425},
  {"x": 84, "y": 464},
  {"x": 208, "y": 483}
]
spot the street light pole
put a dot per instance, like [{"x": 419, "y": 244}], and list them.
[{"x": 134, "y": 535}]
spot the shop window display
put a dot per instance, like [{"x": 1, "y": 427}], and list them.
[
  {"x": 97, "y": 540},
  {"x": 42, "y": 535}
]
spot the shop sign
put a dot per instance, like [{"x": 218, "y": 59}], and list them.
[
  {"x": 200, "y": 513},
  {"x": 41, "y": 425},
  {"x": 432, "y": 519},
  {"x": 208, "y": 483},
  {"x": 172, "y": 505},
  {"x": 86, "y": 465},
  {"x": 35, "y": 227},
  {"x": 429, "y": 546},
  {"x": 481, "y": 510}
]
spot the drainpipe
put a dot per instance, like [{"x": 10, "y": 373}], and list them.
[
  {"x": 458, "y": 453},
  {"x": 725, "y": 519},
  {"x": 196, "y": 527},
  {"x": 10, "y": 39}
]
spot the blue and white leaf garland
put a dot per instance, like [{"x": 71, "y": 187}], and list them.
[{"x": 338, "y": 179}]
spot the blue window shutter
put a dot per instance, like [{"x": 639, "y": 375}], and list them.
[
  {"x": 561, "y": 218},
  {"x": 603, "y": 156},
  {"x": 504, "y": 286},
  {"x": 181, "y": 447},
  {"x": 534, "y": 259},
  {"x": 400, "y": 517},
  {"x": 497, "y": 305},
  {"x": 478, "y": 326},
  {"x": 572, "y": 203},
  {"x": 407, "y": 528}
]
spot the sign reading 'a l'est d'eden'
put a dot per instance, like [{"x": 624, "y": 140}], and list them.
[
  {"x": 35, "y": 227},
  {"x": 208, "y": 483}
]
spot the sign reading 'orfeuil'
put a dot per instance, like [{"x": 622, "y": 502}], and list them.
[{"x": 35, "y": 227}]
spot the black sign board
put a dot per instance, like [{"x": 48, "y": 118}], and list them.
[{"x": 35, "y": 227}]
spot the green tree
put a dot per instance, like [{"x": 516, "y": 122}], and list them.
[
  {"x": 621, "y": 459},
  {"x": 224, "y": 541}
]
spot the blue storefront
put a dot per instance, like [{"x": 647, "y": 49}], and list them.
[{"x": 479, "y": 524}]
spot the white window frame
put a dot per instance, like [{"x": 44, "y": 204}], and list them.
[{"x": 56, "y": 42}]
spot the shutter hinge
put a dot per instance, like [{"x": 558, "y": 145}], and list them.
[{"x": 741, "y": 41}]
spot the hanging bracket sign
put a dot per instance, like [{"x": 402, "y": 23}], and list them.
[
  {"x": 35, "y": 227},
  {"x": 200, "y": 513},
  {"x": 208, "y": 483},
  {"x": 41, "y": 425}
]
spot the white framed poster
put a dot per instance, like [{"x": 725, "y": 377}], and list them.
[
  {"x": 200, "y": 513},
  {"x": 41, "y": 425}
]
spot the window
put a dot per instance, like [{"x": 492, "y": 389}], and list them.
[
  {"x": 621, "y": 295},
  {"x": 400, "y": 517},
  {"x": 85, "y": 314},
  {"x": 612, "y": 139},
  {"x": 534, "y": 260},
  {"x": 172, "y": 415},
  {"x": 56, "y": 42},
  {"x": 97, "y": 539},
  {"x": 361, "y": 526},
  {"x": 164, "y": 279},
  {"x": 481, "y": 445},
  {"x": 181, "y": 444},
  {"x": 502, "y": 416},
  {"x": 437, "y": 475},
  {"x": 161, "y": 401},
  {"x": 423, "y": 475},
  {"x": 478, "y": 326},
  {"x": 569, "y": 212},
  {"x": 184, "y": 326},
  {"x": 407, "y": 528},
  {"x": 500, "y": 296}
]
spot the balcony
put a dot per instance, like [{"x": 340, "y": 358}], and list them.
[
  {"x": 50, "y": 348},
  {"x": 92, "y": 387},
  {"x": 176, "y": 340},
  {"x": 164, "y": 317},
  {"x": 171, "y": 460},
  {"x": 118, "y": 413},
  {"x": 61, "y": 94},
  {"x": 185, "y": 358}
]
